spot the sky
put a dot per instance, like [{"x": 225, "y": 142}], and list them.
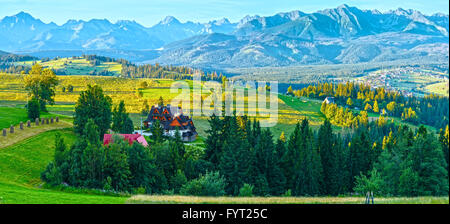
[{"x": 150, "y": 12}]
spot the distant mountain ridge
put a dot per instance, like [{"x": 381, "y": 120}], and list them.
[{"x": 331, "y": 36}]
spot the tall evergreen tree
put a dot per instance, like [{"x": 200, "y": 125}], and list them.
[
  {"x": 309, "y": 174},
  {"x": 121, "y": 121},
  {"x": 213, "y": 142},
  {"x": 330, "y": 159},
  {"x": 428, "y": 161},
  {"x": 235, "y": 163},
  {"x": 267, "y": 164},
  {"x": 359, "y": 151},
  {"x": 291, "y": 158}
]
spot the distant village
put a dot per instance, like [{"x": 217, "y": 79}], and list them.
[{"x": 410, "y": 81}]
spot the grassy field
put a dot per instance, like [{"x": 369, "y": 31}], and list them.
[
  {"x": 20, "y": 169},
  {"x": 14, "y": 115},
  {"x": 440, "y": 88},
  {"x": 13, "y": 94},
  {"x": 143, "y": 199},
  {"x": 77, "y": 66}
]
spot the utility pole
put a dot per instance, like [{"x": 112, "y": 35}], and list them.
[{"x": 142, "y": 132}]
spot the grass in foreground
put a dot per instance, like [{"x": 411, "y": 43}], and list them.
[
  {"x": 20, "y": 168},
  {"x": 142, "y": 199}
]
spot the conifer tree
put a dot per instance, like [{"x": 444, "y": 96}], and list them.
[
  {"x": 330, "y": 161},
  {"x": 268, "y": 165},
  {"x": 213, "y": 142},
  {"x": 235, "y": 162},
  {"x": 291, "y": 157},
  {"x": 309, "y": 174}
]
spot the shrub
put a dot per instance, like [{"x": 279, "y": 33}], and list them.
[
  {"x": 246, "y": 191},
  {"x": 210, "y": 184},
  {"x": 288, "y": 193},
  {"x": 177, "y": 181},
  {"x": 33, "y": 109}
]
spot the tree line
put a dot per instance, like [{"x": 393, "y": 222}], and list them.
[{"x": 430, "y": 110}]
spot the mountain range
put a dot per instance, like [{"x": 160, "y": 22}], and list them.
[{"x": 342, "y": 35}]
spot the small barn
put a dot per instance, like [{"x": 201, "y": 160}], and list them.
[{"x": 130, "y": 138}]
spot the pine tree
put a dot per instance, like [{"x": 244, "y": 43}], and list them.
[
  {"x": 359, "y": 151},
  {"x": 429, "y": 163},
  {"x": 330, "y": 161},
  {"x": 157, "y": 132},
  {"x": 213, "y": 142},
  {"x": 376, "y": 109},
  {"x": 291, "y": 157},
  {"x": 121, "y": 121},
  {"x": 349, "y": 101},
  {"x": 309, "y": 174},
  {"x": 235, "y": 163},
  {"x": 268, "y": 165}
]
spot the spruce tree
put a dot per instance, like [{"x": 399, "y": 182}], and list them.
[
  {"x": 291, "y": 157},
  {"x": 235, "y": 163},
  {"x": 268, "y": 165},
  {"x": 330, "y": 161},
  {"x": 213, "y": 142},
  {"x": 309, "y": 174}
]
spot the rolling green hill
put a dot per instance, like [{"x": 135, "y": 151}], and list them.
[
  {"x": 20, "y": 169},
  {"x": 76, "y": 66}
]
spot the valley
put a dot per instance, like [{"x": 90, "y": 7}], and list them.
[{"x": 359, "y": 109}]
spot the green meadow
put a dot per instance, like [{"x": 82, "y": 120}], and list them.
[
  {"x": 76, "y": 66},
  {"x": 20, "y": 169}
]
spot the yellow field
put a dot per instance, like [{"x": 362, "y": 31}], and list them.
[
  {"x": 130, "y": 91},
  {"x": 438, "y": 88}
]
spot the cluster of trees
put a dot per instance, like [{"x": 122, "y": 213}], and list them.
[
  {"x": 4, "y": 58},
  {"x": 155, "y": 71},
  {"x": 343, "y": 117},
  {"x": 241, "y": 159},
  {"x": 14, "y": 69},
  {"x": 422, "y": 110},
  {"x": 97, "y": 60},
  {"x": 325, "y": 163},
  {"x": 94, "y": 105},
  {"x": 89, "y": 164}
]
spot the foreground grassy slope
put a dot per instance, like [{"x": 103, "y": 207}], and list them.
[{"x": 21, "y": 166}]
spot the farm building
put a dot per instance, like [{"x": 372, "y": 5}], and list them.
[
  {"x": 171, "y": 121},
  {"x": 329, "y": 100},
  {"x": 131, "y": 138}
]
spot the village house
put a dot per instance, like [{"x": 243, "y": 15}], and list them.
[
  {"x": 329, "y": 100},
  {"x": 130, "y": 138},
  {"x": 170, "y": 121}
]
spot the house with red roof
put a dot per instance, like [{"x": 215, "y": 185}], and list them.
[{"x": 130, "y": 138}]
